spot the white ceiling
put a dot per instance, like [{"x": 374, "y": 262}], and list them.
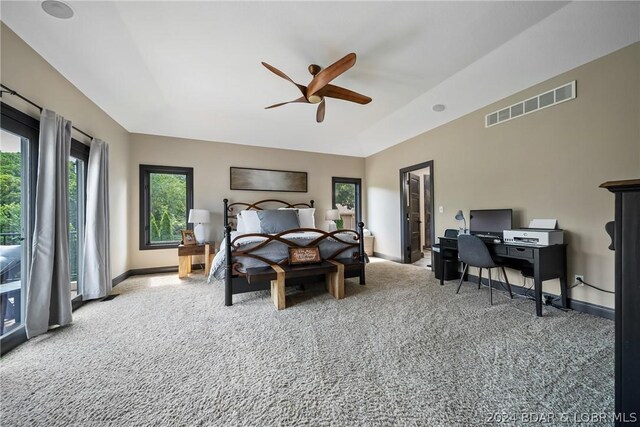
[{"x": 192, "y": 69}]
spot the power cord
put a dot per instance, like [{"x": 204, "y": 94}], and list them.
[
  {"x": 528, "y": 289},
  {"x": 591, "y": 286}
]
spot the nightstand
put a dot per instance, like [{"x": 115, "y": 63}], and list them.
[{"x": 186, "y": 252}]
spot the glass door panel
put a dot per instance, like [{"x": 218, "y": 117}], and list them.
[
  {"x": 13, "y": 251},
  {"x": 76, "y": 222},
  {"x": 346, "y": 198}
]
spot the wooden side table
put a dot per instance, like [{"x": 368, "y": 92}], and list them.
[{"x": 186, "y": 252}]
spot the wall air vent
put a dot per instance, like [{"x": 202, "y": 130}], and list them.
[{"x": 555, "y": 96}]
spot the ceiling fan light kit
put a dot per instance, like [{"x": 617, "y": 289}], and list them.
[{"x": 319, "y": 87}]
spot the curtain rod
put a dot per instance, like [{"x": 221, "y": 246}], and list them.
[{"x": 28, "y": 101}]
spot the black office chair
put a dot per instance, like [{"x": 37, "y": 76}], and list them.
[
  {"x": 450, "y": 232},
  {"x": 473, "y": 252}
]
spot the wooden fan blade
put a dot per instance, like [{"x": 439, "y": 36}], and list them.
[
  {"x": 301, "y": 99},
  {"x": 338, "y": 92},
  {"x": 279, "y": 73},
  {"x": 320, "y": 112},
  {"x": 323, "y": 78}
]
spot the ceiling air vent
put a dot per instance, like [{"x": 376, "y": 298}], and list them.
[{"x": 560, "y": 94}]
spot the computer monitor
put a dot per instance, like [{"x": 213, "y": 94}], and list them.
[{"x": 490, "y": 222}]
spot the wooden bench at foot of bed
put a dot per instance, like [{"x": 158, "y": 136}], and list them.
[{"x": 332, "y": 270}]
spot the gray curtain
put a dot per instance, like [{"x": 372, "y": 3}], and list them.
[
  {"x": 48, "y": 300},
  {"x": 96, "y": 279}
]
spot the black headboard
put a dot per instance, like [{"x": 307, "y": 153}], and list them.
[{"x": 231, "y": 210}]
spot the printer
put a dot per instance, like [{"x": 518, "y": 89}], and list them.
[
  {"x": 534, "y": 236},
  {"x": 541, "y": 232}
]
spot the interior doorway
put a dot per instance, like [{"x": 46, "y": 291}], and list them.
[{"x": 416, "y": 213}]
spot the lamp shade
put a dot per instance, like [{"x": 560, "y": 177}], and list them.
[
  {"x": 332, "y": 215},
  {"x": 459, "y": 216},
  {"x": 199, "y": 216}
]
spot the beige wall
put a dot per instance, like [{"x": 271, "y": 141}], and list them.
[
  {"x": 26, "y": 72},
  {"x": 211, "y": 162},
  {"x": 547, "y": 164}
]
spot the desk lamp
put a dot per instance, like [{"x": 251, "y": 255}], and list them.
[
  {"x": 460, "y": 217},
  {"x": 199, "y": 217}
]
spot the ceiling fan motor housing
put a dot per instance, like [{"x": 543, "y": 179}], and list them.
[{"x": 314, "y": 69}]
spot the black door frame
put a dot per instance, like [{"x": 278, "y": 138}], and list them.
[
  {"x": 358, "y": 184},
  {"x": 405, "y": 255}
]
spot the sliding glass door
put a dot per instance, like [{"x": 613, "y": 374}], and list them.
[
  {"x": 12, "y": 229},
  {"x": 18, "y": 175},
  {"x": 18, "y": 144}
]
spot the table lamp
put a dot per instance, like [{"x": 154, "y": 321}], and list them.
[
  {"x": 460, "y": 217},
  {"x": 333, "y": 215},
  {"x": 199, "y": 217}
]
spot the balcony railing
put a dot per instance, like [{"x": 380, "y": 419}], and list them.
[
  {"x": 15, "y": 238},
  {"x": 10, "y": 238}
]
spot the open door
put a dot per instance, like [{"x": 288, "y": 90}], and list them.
[
  {"x": 416, "y": 213},
  {"x": 413, "y": 217},
  {"x": 427, "y": 243}
]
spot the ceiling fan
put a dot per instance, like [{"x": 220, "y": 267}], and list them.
[{"x": 319, "y": 88}]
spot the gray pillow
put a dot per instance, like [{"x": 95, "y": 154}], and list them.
[{"x": 276, "y": 221}]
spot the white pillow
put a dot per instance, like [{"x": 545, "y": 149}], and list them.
[
  {"x": 250, "y": 221},
  {"x": 306, "y": 216},
  {"x": 240, "y": 227}
]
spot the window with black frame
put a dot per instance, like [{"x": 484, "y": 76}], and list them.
[
  {"x": 347, "y": 199},
  {"x": 166, "y": 196}
]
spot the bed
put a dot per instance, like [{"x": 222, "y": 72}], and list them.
[{"x": 243, "y": 248}]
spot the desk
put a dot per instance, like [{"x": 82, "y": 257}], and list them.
[
  {"x": 547, "y": 262},
  {"x": 185, "y": 252}
]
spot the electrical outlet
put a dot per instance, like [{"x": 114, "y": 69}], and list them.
[{"x": 576, "y": 281}]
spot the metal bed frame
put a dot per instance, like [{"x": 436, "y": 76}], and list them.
[{"x": 236, "y": 281}]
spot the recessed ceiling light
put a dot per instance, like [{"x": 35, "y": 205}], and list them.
[
  {"x": 439, "y": 108},
  {"x": 57, "y": 9}
]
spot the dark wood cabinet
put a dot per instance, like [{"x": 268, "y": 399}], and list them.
[{"x": 626, "y": 243}]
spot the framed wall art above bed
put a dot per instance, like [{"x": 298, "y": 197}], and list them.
[{"x": 267, "y": 180}]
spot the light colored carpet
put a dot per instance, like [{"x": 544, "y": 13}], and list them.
[{"x": 400, "y": 351}]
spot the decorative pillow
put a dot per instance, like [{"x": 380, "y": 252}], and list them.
[
  {"x": 276, "y": 221},
  {"x": 306, "y": 216},
  {"x": 251, "y": 221}
]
